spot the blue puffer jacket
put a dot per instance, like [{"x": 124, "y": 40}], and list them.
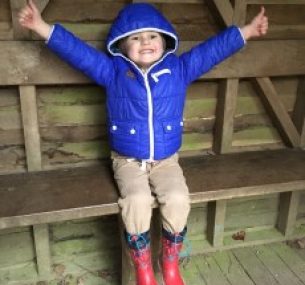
[{"x": 145, "y": 110}]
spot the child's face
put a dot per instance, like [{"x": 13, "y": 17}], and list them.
[{"x": 144, "y": 48}]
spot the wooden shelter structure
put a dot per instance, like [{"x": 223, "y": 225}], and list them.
[{"x": 243, "y": 147}]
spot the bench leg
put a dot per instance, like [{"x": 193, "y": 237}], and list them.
[
  {"x": 289, "y": 203},
  {"x": 42, "y": 248},
  {"x": 216, "y": 220}
]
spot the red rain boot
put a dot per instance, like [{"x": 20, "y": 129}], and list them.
[
  {"x": 170, "y": 262},
  {"x": 141, "y": 258}
]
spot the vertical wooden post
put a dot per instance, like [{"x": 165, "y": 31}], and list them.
[
  {"x": 30, "y": 127},
  {"x": 240, "y": 12},
  {"x": 226, "y": 106},
  {"x": 42, "y": 247},
  {"x": 216, "y": 221},
  {"x": 19, "y": 32},
  {"x": 33, "y": 157},
  {"x": 289, "y": 202}
]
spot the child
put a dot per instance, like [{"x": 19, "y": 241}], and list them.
[{"x": 146, "y": 88}]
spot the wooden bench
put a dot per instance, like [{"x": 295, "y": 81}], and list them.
[{"x": 39, "y": 198}]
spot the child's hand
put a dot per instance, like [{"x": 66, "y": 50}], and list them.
[
  {"x": 258, "y": 27},
  {"x": 30, "y": 18}
]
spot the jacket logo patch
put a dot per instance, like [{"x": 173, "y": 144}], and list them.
[{"x": 130, "y": 74}]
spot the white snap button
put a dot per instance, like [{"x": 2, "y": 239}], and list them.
[
  {"x": 169, "y": 127},
  {"x": 114, "y": 127},
  {"x": 181, "y": 124},
  {"x": 132, "y": 131}
]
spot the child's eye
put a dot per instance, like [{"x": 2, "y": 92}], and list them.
[
  {"x": 153, "y": 36},
  {"x": 134, "y": 38}
]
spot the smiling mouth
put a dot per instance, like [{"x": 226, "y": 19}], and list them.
[{"x": 147, "y": 51}]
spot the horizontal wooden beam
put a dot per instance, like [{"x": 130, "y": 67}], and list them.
[
  {"x": 31, "y": 63},
  {"x": 276, "y": 2}
]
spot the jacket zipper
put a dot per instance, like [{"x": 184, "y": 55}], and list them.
[{"x": 150, "y": 119}]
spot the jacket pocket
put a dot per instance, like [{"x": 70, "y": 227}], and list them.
[
  {"x": 172, "y": 127},
  {"x": 124, "y": 137}
]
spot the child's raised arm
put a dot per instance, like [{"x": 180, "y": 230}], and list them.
[
  {"x": 30, "y": 18},
  {"x": 258, "y": 26}
]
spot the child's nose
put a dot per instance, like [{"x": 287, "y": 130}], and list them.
[{"x": 145, "y": 40}]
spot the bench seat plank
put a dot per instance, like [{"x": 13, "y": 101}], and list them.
[
  {"x": 244, "y": 174},
  {"x": 57, "y": 195}
]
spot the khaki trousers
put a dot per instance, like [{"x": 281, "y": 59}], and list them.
[{"x": 139, "y": 183}]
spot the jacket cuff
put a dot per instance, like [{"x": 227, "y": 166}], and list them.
[
  {"x": 245, "y": 41},
  {"x": 50, "y": 35}
]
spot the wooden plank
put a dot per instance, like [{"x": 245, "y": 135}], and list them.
[
  {"x": 19, "y": 32},
  {"x": 240, "y": 13},
  {"x": 34, "y": 163},
  {"x": 276, "y": 266},
  {"x": 210, "y": 271},
  {"x": 231, "y": 268},
  {"x": 16, "y": 68},
  {"x": 225, "y": 111},
  {"x": 275, "y": 2},
  {"x": 254, "y": 267},
  {"x": 288, "y": 210},
  {"x": 42, "y": 247},
  {"x": 30, "y": 127},
  {"x": 216, "y": 221},
  {"x": 288, "y": 32},
  {"x": 42, "y": 4},
  {"x": 277, "y": 109},
  {"x": 222, "y": 9},
  {"x": 291, "y": 259},
  {"x": 299, "y": 111}
]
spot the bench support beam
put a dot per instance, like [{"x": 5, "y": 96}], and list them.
[
  {"x": 42, "y": 247},
  {"x": 226, "y": 105},
  {"x": 289, "y": 202},
  {"x": 216, "y": 221}
]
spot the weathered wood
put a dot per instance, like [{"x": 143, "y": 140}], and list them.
[
  {"x": 19, "y": 32},
  {"x": 20, "y": 63},
  {"x": 231, "y": 268},
  {"x": 276, "y": 2},
  {"x": 216, "y": 221},
  {"x": 276, "y": 266},
  {"x": 30, "y": 127},
  {"x": 226, "y": 176},
  {"x": 222, "y": 9},
  {"x": 283, "y": 120},
  {"x": 288, "y": 32},
  {"x": 294, "y": 261},
  {"x": 289, "y": 203},
  {"x": 42, "y": 4},
  {"x": 240, "y": 12},
  {"x": 42, "y": 247},
  {"x": 254, "y": 267},
  {"x": 226, "y": 106},
  {"x": 299, "y": 111}
]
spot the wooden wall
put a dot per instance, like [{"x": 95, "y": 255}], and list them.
[{"x": 53, "y": 117}]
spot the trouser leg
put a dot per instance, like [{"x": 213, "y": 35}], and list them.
[
  {"x": 135, "y": 195},
  {"x": 168, "y": 183}
]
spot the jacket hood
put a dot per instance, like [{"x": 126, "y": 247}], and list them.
[{"x": 140, "y": 17}]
